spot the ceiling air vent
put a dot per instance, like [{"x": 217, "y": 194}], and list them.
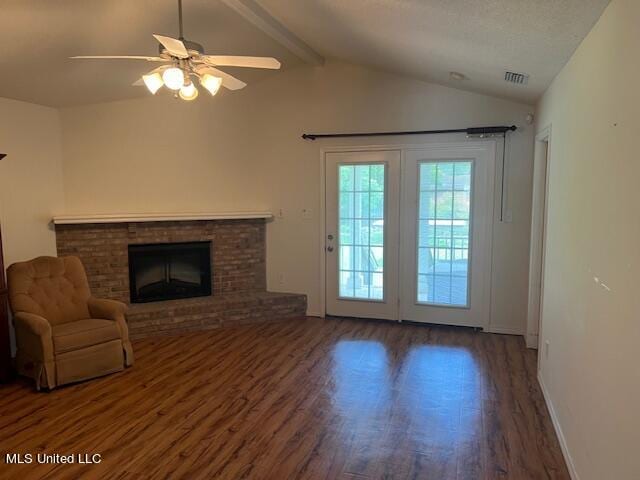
[{"x": 517, "y": 78}]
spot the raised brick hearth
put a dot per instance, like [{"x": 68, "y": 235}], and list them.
[{"x": 238, "y": 273}]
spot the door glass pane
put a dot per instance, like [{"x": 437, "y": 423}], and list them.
[
  {"x": 361, "y": 231},
  {"x": 444, "y": 214}
]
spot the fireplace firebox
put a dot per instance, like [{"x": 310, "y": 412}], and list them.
[{"x": 169, "y": 271}]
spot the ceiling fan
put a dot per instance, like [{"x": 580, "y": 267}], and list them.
[{"x": 184, "y": 59}]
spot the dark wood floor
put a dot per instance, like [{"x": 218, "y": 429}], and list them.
[{"x": 317, "y": 399}]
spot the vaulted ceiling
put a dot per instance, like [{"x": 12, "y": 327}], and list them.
[
  {"x": 429, "y": 39},
  {"x": 425, "y": 39}
]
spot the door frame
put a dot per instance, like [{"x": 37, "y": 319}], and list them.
[
  {"x": 539, "y": 214},
  {"x": 403, "y": 148}
]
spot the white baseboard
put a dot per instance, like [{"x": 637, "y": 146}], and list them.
[
  {"x": 311, "y": 313},
  {"x": 532, "y": 340},
  {"x": 556, "y": 425},
  {"x": 505, "y": 330}
]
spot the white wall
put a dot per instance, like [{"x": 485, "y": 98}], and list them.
[
  {"x": 242, "y": 151},
  {"x": 31, "y": 187},
  {"x": 591, "y": 309}
]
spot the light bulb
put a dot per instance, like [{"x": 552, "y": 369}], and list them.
[
  {"x": 211, "y": 83},
  {"x": 153, "y": 82},
  {"x": 189, "y": 92},
  {"x": 173, "y": 78}
]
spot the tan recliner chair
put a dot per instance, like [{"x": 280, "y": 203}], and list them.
[{"x": 63, "y": 334}]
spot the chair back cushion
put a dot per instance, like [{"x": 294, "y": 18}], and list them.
[{"x": 54, "y": 288}]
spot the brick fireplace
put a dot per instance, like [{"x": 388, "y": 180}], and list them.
[{"x": 238, "y": 271}]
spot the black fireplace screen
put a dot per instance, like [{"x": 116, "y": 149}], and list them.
[{"x": 169, "y": 270}]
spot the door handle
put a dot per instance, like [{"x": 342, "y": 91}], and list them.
[{"x": 329, "y": 249}]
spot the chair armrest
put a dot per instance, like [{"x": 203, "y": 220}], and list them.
[
  {"x": 36, "y": 324},
  {"x": 107, "y": 309},
  {"x": 33, "y": 335},
  {"x": 113, "y": 310}
]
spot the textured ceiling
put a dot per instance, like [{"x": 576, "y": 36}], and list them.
[
  {"x": 38, "y": 36},
  {"x": 430, "y": 38}
]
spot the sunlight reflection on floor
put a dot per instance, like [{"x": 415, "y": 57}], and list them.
[{"x": 435, "y": 397}]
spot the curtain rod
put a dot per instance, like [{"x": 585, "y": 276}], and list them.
[{"x": 468, "y": 131}]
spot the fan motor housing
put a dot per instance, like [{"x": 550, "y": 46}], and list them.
[{"x": 191, "y": 46}]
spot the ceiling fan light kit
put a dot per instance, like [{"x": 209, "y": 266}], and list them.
[
  {"x": 153, "y": 82},
  {"x": 185, "y": 59},
  {"x": 188, "y": 92},
  {"x": 211, "y": 83},
  {"x": 173, "y": 78}
]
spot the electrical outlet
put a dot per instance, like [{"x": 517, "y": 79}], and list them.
[
  {"x": 280, "y": 213},
  {"x": 546, "y": 349},
  {"x": 281, "y": 279},
  {"x": 307, "y": 213}
]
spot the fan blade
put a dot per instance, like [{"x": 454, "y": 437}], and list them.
[
  {"x": 123, "y": 57},
  {"x": 235, "y": 61},
  {"x": 228, "y": 81},
  {"x": 173, "y": 46},
  {"x": 140, "y": 81}
]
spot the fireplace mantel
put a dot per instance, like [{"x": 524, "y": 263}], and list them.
[{"x": 156, "y": 217}]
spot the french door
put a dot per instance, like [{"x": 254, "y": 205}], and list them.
[
  {"x": 362, "y": 233},
  {"x": 446, "y": 234},
  {"x": 408, "y": 233}
]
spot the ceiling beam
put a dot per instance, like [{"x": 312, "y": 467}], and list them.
[{"x": 263, "y": 20}]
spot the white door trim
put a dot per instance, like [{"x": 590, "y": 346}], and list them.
[
  {"x": 403, "y": 148},
  {"x": 541, "y": 167}
]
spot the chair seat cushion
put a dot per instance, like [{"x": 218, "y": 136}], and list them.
[{"x": 83, "y": 333}]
